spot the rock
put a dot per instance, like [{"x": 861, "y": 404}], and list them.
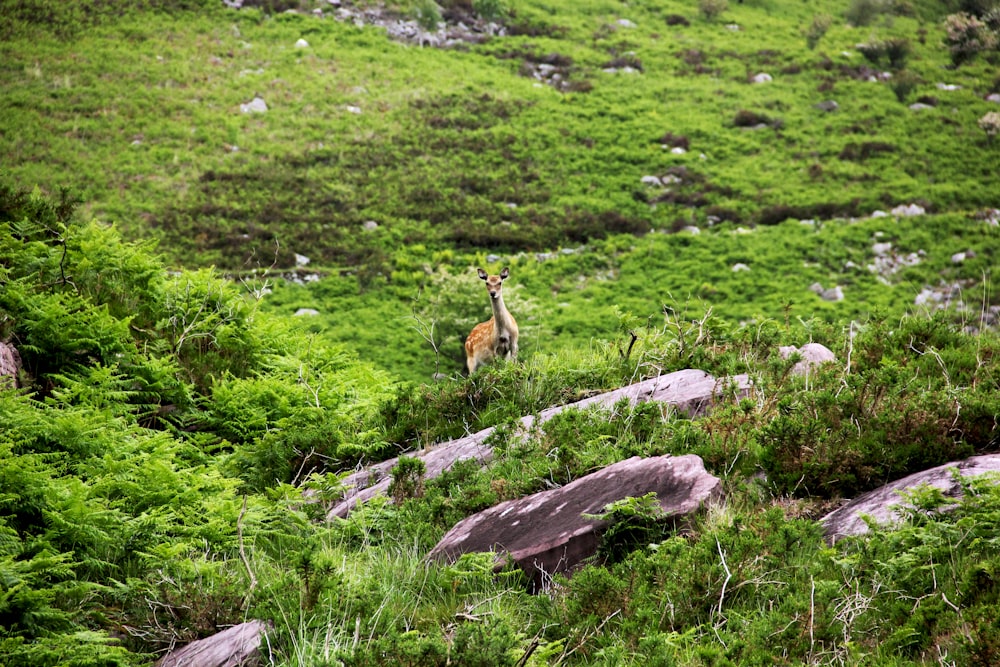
[
  {"x": 625, "y": 23},
  {"x": 10, "y": 364},
  {"x": 958, "y": 258},
  {"x": 827, "y": 105},
  {"x": 691, "y": 392},
  {"x": 353, "y": 109},
  {"x": 370, "y": 225},
  {"x": 835, "y": 293},
  {"x": 881, "y": 504},
  {"x": 907, "y": 211},
  {"x": 879, "y": 214},
  {"x": 948, "y": 86},
  {"x": 306, "y": 312},
  {"x": 652, "y": 180},
  {"x": 740, "y": 266},
  {"x": 547, "y": 533},
  {"x": 920, "y": 106},
  {"x": 763, "y": 77},
  {"x": 691, "y": 229},
  {"x": 813, "y": 354},
  {"x": 234, "y": 647},
  {"x": 301, "y": 44},
  {"x": 256, "y": 105},
  {"x": 993, "y": 97},
  {"x": 301, "y": 260},
  {"x": 678, "y": 150}
]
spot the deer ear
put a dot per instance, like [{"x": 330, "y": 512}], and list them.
[
  {"x": 504, "y": 273},
  {"x": 482, "y": 274}
]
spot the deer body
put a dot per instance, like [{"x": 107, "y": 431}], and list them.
[{"x": 496, "y": 337}]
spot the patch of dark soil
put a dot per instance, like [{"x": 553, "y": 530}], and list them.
[
  {"x": 773, "y": 215},
  {"x": 863, "y": 151},
  {"x": 526, "y": 28},
  {"x": 674, "y": 141},
  {"x": 677, "y": 19}
]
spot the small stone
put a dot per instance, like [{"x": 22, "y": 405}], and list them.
[
  {"x": 908, "y": 211},
  {"x": 827, "y": 105},
  {"x": 353, "y": 109},
  {"x": 958, "y": 258},
  {"x": 920, "y": 106},
  {"x": 370, "y": 225},
  {"x": 256, "y": 105},
  {"x": 652, "y": 180},
  {"x": 301, "y": 260},
  {"x": 306, "y": 312},
  {"x": 302, "y": 44},
  {"x": 763, "y": 77},
  {"x": 740, "y": 266},
  {"x": 625, "y": 23}
]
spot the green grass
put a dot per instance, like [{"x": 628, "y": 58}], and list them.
[{"x": 177, "y": 433}]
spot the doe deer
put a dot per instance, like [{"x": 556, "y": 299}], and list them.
[{"x": 498, "y": 336}]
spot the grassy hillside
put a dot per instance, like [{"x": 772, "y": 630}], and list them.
[
  {"x": 175, "y": 431},
  {"x": 458, "y": 153}
]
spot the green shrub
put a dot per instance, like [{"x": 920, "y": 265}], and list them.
[{"x": 712, "y": 9}]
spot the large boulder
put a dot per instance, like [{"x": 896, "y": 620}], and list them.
[
  {"x": 882, "y": 504},
  {"x": 235, "y": 647},
  {"x": 548, "y": 532},
  {"x": 691, "y": 392}
]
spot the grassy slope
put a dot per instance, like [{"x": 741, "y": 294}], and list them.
[
  {"x": 436, "y": 150},
  {"x": 142, "y": 115}
]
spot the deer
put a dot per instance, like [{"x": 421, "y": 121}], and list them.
[{"x": 496, "y": 337}]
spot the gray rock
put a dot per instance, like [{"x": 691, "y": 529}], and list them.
[
  {"x": 691, "y": 392},
  {"x": 882, "y": 504},
  {"x": 835, "y": 293},
  {"x": 10, "y": 364},
  {"x": 920, "y": 106},
  {"x": 547, "y": 533},
  {"x": 740, "y": 266},
  {"x": 827, "y": 105},
  {"x": 907, "y": 211},
  {"x": 813, "y": 354},
  {"x": 763, "y": 77},
  {"x": 237, "y": 646},
  {"x": 256, "y": 105},
  {"x": 301, "y": 44},
  {"x": 306, "y": 312}
]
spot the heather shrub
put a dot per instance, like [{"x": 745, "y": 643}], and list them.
[
  {"x": 712, "y": 9},
  {"x": 967, "y": 36},
  {"x": 817, "y": 28}
]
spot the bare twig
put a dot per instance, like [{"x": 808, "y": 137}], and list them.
[
  {"x": 729, "y": 575},
  {"x": 243, "y": 553}
]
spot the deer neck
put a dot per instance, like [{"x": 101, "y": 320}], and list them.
[{"x": 501, "y": 316}]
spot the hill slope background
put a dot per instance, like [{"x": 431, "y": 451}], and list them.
[{"x": 175, "y": 434}]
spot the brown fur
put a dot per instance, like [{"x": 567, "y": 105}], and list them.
[{"x": 496, "y": 337}]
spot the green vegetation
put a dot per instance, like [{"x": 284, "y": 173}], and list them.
[{"x": 175, "y": 435}]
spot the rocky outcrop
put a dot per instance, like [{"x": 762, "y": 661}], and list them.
[
  {"x": 881, "y": 505},
  {"x": 548, "y": 532},
  {"x": 10, "y": 364},
  {"x": 236, "y": 647},
  {"x": 691, "y": 392}
]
